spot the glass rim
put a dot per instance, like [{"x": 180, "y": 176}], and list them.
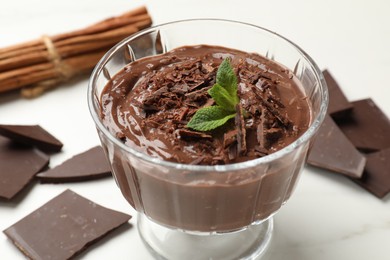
[{"x": 305, "y": 137}]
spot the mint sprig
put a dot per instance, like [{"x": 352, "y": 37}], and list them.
[
  {"x": 209, "y": 118},
  {"x": 224, "y": 93}
]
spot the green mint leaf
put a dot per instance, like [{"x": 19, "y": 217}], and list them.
[
  {"x": 209, "y": 118},
  {"x": 222, "y": 97},
  {"x": 228, "y": 79},
  {"x": 224, "y": 93}
]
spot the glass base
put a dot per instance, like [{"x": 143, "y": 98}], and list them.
[{"x": 166, "y": 243}]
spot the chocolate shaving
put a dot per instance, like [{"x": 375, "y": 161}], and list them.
[
  {"x": 241, "y": 131},
  {"x": 191, "y": 104},
  {"x": 261, "y": 151},
  {"x": 198, "y": 160},
  {"x": 283, "y": 119},
  {"x": 229, "y": 138},
  {"x": 207, "y": 68},
  {"x": 273, "y": 99},
  {"x": 232, "y": 152},
  {"x": 273, "y": 134},
  {"x": 254, "y": 76},
  {"x": 195, "y": 95},
  {"x": 186, "y": 133},
  {"x": 197, "y": 85},
  {"x": 260, "y": 130},
  {"x": 168, "y": 103},
  {"x": 150, "y": 108},
  {"x": 262, "y": 85},
  {"x": 151, "y": 123},
  {"x": 180, "y": 116},
  {"x": 180, "y": 89},
  {"x": 154, "y": 97},
  {"x": 209, "y": 102}
]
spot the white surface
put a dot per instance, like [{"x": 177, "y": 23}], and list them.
[{"x": 328, "y": 217}]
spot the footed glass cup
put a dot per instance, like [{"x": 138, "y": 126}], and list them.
[{"x": 207, "y": 212}]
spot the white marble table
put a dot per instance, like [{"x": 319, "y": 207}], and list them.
[{"x": 328, "y": 217}]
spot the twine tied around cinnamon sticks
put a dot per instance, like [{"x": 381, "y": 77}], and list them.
[
  {"x": 63, "y": 69},
  {"x": 65, "y": 72},
  {"x": 39, "y": 65}
]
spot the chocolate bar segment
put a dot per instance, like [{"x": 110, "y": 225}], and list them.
[
  {"x": 91, "y": 164},
  {"x": 339, "y": 105},
  {"x": 368, "y": 128},
  {"x": 63, "y": 227},
  {"x": 376, "y": 176},
  {"x": 333, "y": 151},
  {"x": 32, "y": 135},
  {"x": 18, "y": 165}
]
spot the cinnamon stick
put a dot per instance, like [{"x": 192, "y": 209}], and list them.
[
  {"x": 34, "y": 74},
  {"x": 37, "y": 63},
  {"x": 78, "y": 45},
  {"x": 105, "y": 25}
]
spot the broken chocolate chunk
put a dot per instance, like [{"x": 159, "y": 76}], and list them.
[
  {"x": 63, "y": 227},
  {"x": 91, "y": 164},
  {"x": 376, "y": 176},
  {"x": 18, "y": 165},
  {"x": 368, "y": 128},
  {"x": 333, "y": 151},
  {"x": 339, "y": 105},
  {"x": 32, "y": 135}
]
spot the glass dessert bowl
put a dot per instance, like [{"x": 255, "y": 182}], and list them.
[{"x": 207, "y": 211}]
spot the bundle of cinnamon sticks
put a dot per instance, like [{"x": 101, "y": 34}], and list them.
[{"x": 41, "y": 64}]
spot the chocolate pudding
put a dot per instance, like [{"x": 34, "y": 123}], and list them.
[{"x": 148, "y": 105}]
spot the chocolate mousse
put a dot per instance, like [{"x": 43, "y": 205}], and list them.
[
  {"x": 148, "y": 105},
  {"x": 150, "y": 102}
]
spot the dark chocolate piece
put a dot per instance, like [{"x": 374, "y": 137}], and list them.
[
  {"x": 18, "y": 165},
  {"x": 91, "y": 164},
  {"x": 339, "y": 105},
  {"x": 63, "y": 227},
  {"x": 368, "y": 128},
  {"x": 333, "y": 151},
  {"x": 376, "y": 176},
  {"x": 32, "y": 135}
]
